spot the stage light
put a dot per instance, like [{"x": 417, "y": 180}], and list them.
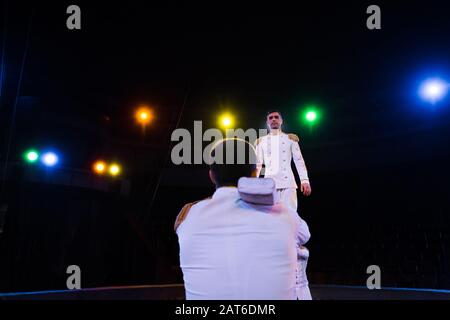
[
  {"x": 311, "y": 116},
  {"x": 144, "y": 116},
  {"x": 114, "y": 169},
  {"x": 433, "y": 89},
  {"x": 99, "y": 167},
  {"x": 226, "y": 121},
  {"x": 50, "y": 159},
  {"x": 31, "y": 156}
]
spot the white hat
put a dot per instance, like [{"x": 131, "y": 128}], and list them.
[{"x": 257, "y": 190}]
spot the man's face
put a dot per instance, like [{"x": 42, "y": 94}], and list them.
[{"x": 274, "y": 120}]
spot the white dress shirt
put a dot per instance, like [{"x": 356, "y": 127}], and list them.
[
  {"x": 233, "y": 250},
  {"x": 276, "y": 152}
]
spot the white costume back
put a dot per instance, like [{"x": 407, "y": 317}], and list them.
[{"x": 230, "y": 249}]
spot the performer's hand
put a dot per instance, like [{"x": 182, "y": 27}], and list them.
[{"x": 305, "y": 188}]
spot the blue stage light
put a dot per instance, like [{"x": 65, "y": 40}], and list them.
[
  {"x": 50, "y": 159},
  {"x": 433, "y": 90}
]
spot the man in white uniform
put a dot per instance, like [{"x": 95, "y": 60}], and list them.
[
  {"x": 235, "y": 250},
  {"x": 275, "y": 151}
]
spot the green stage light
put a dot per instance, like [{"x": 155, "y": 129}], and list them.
[
  {"x": 310, "y": 115},
  {"x": 31, "y": 156}
]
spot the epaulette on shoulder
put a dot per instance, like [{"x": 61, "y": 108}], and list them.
[
  {"x": 184, "y": 212},
  {"x": 293, "y": 137}
]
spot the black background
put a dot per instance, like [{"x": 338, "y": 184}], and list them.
[{"x": 378, "y": 160}]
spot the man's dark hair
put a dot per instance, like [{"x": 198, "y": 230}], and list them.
[
  {"x": 232, "y": 159},
  {"x": 272, "y": 111}
]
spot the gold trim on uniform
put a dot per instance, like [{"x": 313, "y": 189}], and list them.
[
  {"x": 184, "y": 212},
  {"x": 294, "y": 137}
]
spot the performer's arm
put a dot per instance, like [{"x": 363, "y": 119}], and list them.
[
  {"x": 300, "y": 165},
  {"x": 299, "y": 162}
]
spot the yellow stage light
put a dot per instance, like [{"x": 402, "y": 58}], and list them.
[
  {"x": 226, "y": 121},
  {"x": 114, "y": 169}
]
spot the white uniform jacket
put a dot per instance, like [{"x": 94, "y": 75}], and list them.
[
  {"x": 276, "y": 151},
  {"x": 233, "y": 250}
]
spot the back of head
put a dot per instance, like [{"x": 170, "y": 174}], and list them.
[{"x": 232, "y": 159}]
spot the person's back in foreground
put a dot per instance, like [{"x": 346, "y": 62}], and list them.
[{"x": 231, "y": 249}]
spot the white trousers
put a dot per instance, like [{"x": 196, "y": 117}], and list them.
[
  {"x": 288, "y": 196},
  {"x": 302, "y": 292},
  {"x": 302, "y": 284}
]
